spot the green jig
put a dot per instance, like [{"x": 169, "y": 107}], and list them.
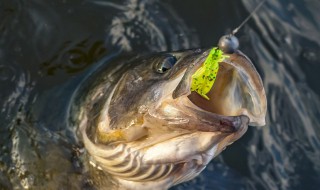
[{"x": 204, "y": 78}]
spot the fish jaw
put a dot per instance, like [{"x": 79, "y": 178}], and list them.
[
  {"x": 238, "y": 90},
  {"x": 196, "y": 146},
  {"x": 192, "y": 152},
  {"x": 237, "y": 100},
  {"x": 187, "y": 137}
]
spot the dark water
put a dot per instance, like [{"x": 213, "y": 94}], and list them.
[{"x": 46, "y": 46}]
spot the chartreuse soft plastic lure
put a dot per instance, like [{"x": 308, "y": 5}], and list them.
[{"x": 203, "y": 79}]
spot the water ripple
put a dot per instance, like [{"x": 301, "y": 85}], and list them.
[
  {"x": 144, "y": 26},
  {"x": 291, "y": 139}
]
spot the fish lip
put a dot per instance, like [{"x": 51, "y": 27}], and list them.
[
  {"x": 229, "y": 124},
  {"x": 237, "y": 124},
  {"x": 212, "y": 122}
]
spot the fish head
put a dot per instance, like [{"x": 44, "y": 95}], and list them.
[{"x": 152, "y": 111}]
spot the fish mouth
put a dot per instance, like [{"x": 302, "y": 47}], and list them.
[
  {"x": 237, "y": 94},
  {"x": 205, "y": 127}
]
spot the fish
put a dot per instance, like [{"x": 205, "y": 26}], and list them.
[{"x": 142, "y": 125}]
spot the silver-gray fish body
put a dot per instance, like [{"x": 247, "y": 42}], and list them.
[{"x": 141, "y": 124}]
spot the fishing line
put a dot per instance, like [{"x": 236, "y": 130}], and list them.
[
  {"x": 204, "y": 78},
  {"x": 248, "y": 17},
  {"x": 229, "y": 43}
]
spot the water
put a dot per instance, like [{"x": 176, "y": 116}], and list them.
[{"x": 46, "y": 46}]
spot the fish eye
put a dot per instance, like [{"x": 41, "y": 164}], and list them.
[{"x": 165, "y": 64}]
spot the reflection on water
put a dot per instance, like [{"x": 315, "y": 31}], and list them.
[{"x": 46, "y": 47}]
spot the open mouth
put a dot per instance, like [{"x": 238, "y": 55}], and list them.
[
  {"x": 236, "y": 100},
  {"x": 236, "y": 97}
]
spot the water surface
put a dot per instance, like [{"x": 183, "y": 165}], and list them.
[{"x": 47, "y": 46}]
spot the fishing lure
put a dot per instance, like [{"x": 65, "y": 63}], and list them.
[{"x": 204, "y": 78}]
